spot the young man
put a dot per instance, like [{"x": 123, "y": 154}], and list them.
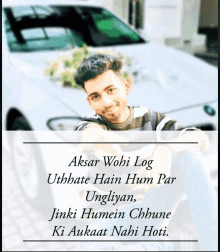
[{"x": 107, "y": 94}]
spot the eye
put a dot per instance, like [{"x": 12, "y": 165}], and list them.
[
  {"x": 95, "y": 97},
  {"x": 111, "y": 90}
]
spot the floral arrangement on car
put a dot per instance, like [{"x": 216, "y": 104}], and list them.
[{"x": 63, "y": 68}]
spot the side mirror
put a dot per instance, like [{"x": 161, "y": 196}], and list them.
[
  {"x": 65, "y": 126},
  {"x": 64, "y": 123}
]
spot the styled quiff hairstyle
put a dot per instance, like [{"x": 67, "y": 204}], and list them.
[{"x": 95, "y": 65}]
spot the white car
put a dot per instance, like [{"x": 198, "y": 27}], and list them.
[{"x": 34, "y": 32}]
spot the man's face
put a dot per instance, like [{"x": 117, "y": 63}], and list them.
[{"x": 107, "y": 95}]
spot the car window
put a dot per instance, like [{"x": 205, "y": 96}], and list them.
[
  {"x": 114, "y": 29},
  {"x": 37, "y": 28},
  {"x": 22, "y": 11}
]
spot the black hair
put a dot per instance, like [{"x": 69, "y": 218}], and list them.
[{"x": 95, "y": 65}]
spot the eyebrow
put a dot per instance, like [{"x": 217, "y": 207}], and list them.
[{"x": 103, "y": 90}]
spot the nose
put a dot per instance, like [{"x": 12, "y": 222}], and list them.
[{"x": 107, "y": 101}]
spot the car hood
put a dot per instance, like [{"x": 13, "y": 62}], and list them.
[{"x": 167, "y": 79}]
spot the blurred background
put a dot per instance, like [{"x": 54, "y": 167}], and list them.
[{"x": 188, "y": 25}]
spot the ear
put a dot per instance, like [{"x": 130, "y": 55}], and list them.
[{"x": 127, "y": 85}]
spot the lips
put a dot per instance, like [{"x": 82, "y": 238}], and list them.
[{"x": 111, "y": 111}]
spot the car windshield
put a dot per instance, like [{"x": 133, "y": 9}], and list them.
[{"x": 37, "y": 28}]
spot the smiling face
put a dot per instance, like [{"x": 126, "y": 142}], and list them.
[{"x": 107, "y": 95}]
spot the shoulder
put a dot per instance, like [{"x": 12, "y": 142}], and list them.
[
  {"x": 89, "y": 122},
  {"x": 92, "y": 120},
  {"x": 157, "y": 121},
  {"x": 140, "y": 111},
  {"x": 146, "y": 114}
]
